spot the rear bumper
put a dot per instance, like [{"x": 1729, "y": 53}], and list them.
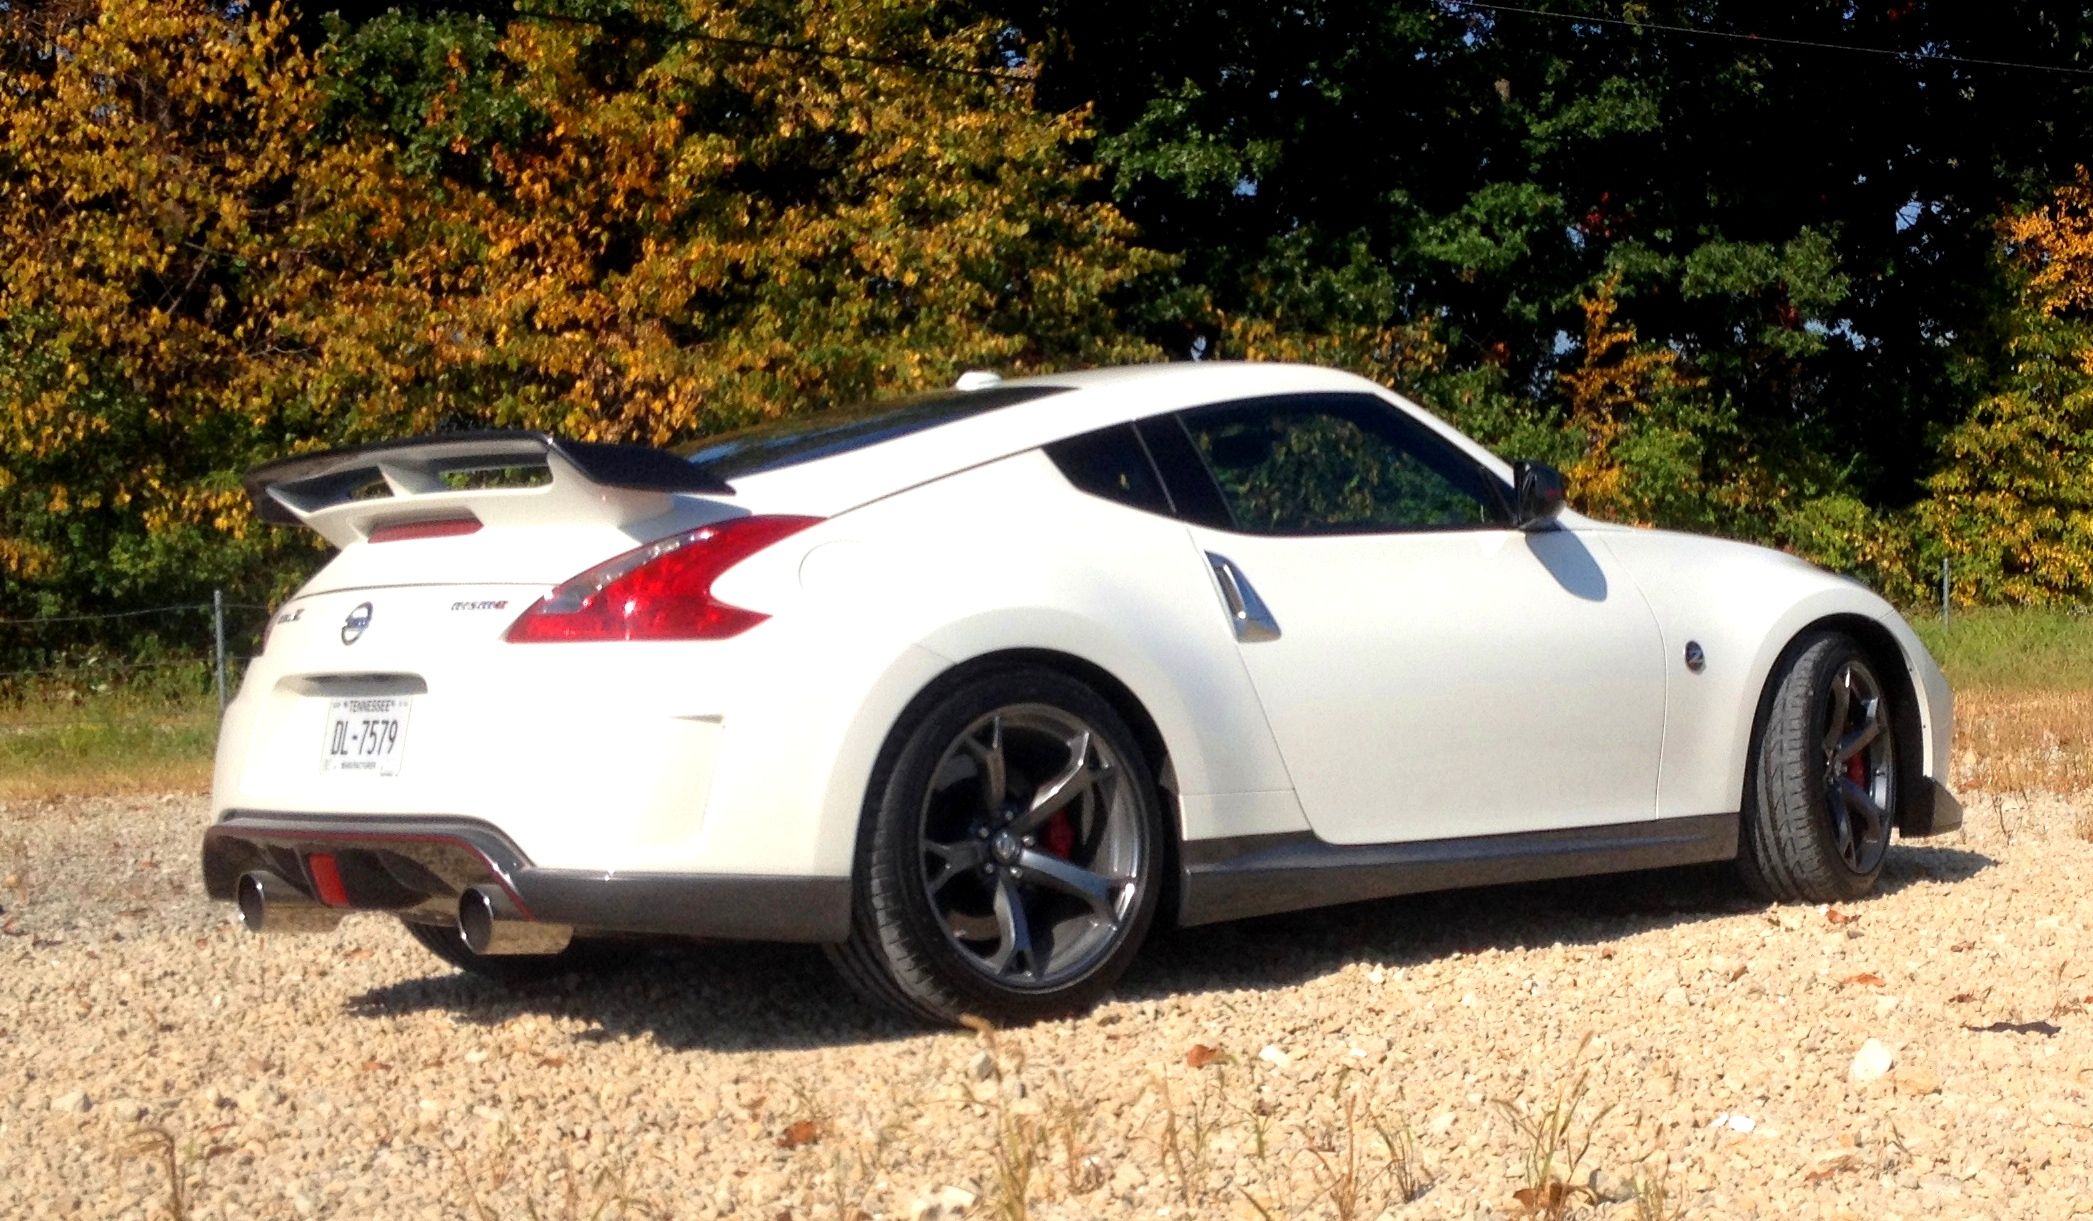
[
  {"x": 1933, "y": 810},
  {"x": 418, "y": 867}
]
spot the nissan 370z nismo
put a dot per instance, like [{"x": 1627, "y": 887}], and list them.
[{"x": 974, "y": 688}]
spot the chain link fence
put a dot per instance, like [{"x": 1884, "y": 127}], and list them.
[{"x": 62, "y": 658}]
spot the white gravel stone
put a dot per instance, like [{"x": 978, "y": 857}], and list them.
[{"x": 1871, "y": 1062}]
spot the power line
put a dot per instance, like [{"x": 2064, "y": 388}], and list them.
[
  {"x": 1769, "y": 39},
  {"x": 807, "y": 50}
]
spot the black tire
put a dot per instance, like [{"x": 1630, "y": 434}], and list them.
[
  {"x": 1819, "y": 809},
  {"x": 444, "y": 941},
  {"x": 948, "y": 882}
]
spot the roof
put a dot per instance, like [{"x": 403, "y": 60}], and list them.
[{"x": 1097, "y": 398}]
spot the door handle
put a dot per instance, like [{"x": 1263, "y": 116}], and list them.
[{"x": 1247, "y": 612}]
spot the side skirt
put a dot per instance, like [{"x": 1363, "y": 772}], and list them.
[{"x": 1258, "y": 875}]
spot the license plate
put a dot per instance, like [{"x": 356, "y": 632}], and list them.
[{"x": 366, "y": 735}]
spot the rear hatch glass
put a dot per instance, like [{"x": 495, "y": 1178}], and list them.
[{"x": 824, "y": 434}]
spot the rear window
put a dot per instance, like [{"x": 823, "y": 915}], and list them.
[{"x": 824, "y": 434}]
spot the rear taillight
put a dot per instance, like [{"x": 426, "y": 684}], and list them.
[{"x": 662, "y": 591}]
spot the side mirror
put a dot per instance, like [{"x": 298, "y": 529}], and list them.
[{"x": 1537, "y": 490}]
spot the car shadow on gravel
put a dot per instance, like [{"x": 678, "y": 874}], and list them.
[
  {"x": 779, "y": 997},
  {"x": 1286, "y": 950},
  {"x": 718, "y": 997}
]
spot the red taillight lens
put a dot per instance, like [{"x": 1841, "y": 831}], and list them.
[{"x": 662, "y": 591}]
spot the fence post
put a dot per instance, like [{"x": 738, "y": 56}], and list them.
[
  {"x": 218, "y": 644},
  {"x": 1944, "y": 591}
]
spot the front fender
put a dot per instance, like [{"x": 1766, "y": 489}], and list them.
[{"x": 1744, "y": 606}]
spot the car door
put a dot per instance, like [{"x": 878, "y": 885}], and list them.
[{"x": 1428, "y": 670}]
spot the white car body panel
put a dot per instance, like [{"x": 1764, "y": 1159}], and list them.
[
  {"x": 1516, "y": 704},
  {"x": 1432, "y": 685},
  {"x": 1745, "y": 605},
  {"x": 1035, "y": 576}
]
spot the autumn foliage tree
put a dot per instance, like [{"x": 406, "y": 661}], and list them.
[
  {"x": 2013, "y": 502},
  {"x": 644, "y": 222},
  {"x": 155, "y": 230},
  {"x": 232, "y": 231},
  {"x": 672, "y": 231}
]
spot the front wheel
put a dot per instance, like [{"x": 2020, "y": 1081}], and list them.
[
  {"x": 1822, "y": 793},
  {"x": 1010, "y": 855}
]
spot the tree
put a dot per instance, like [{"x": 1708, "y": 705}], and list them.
[
  {"x": 678, "y": 230},
  {"x": 2013, "y": 504},
  {"x": 153, "y": 231},
  {"x": 1807, "y": 228},
  {"x": 630, "y": 221}
]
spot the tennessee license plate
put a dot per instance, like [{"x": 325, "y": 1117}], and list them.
[{"x": 366, "y": 735}]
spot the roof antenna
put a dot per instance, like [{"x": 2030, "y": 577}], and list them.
[{"x": 977, "y": 379}]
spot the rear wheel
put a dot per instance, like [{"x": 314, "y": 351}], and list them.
[
  {"x": 1010, "y": 855},
  {"x": 1823, "y": 788},
  {"x": 444, "y": 941}
]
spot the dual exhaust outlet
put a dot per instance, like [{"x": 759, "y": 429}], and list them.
[{"x": 488, "y": 921}]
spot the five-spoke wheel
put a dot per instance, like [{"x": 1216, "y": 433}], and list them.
[
  {"x": 1860, "y": 773},
  {"x": 1821, "y": 796},
  {"x": 1009, "y": 857},
  {"x": 1031, "y": 845}
]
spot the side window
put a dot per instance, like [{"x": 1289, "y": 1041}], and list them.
[
  {"x": 1335, "y": 464},
  {"x": 1110, "y": 463}
]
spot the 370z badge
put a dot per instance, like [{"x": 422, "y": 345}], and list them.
[{"x": 354, "y": 625}]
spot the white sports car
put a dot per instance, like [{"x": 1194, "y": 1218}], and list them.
[{"x": 974, "y": 687}]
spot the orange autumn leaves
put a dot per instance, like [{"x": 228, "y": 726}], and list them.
[{"x": 209, "y": 255}]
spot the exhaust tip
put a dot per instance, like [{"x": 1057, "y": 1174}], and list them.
[
  {"x": 268, "y": 904},
  {"x": 476, "y": 920},
  {"x": 489, "y": 923},
  {"x": 254, "y": 904}
]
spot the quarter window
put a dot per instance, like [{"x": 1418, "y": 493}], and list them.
[
  {"x": 1338, "y": 464},
  {"x": 1111, "y": 463}
]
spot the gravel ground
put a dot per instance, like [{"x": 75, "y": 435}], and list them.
[{"x": 1927, "y": 1052}]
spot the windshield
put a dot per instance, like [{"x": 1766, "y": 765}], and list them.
[{"x": 824, "y": 434}]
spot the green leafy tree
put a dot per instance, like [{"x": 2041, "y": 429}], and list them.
[
  {"x": 1808, "y": 230},
  {"x": 2013, "y": 503}
]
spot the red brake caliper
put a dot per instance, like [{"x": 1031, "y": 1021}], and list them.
[
  {"x": 1857, "y": 769},
  {"x": 1058, "y": 836}
]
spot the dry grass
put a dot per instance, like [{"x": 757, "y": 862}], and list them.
[
  {"x": 1553, "y": 1140},
  {"x": 2023, "y": 683},
  {"x": 2019, "y": 742},
  {"x": 181, "y": 1167},
  {"x": 1017, "y": 1150},
  {"x": 1654, "y": 1199},
  {"x": 495, "y": 1188}
]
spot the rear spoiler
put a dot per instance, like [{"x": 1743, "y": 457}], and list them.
[{"x": 590, "y": 482}]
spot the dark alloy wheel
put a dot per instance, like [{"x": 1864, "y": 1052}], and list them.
[
  {"x": 1821, "y": 797},
  {"x": 1860, "y": 766},
  {"x": 1010, "y": 857},
  {"x": 1031, "y": 846}
]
